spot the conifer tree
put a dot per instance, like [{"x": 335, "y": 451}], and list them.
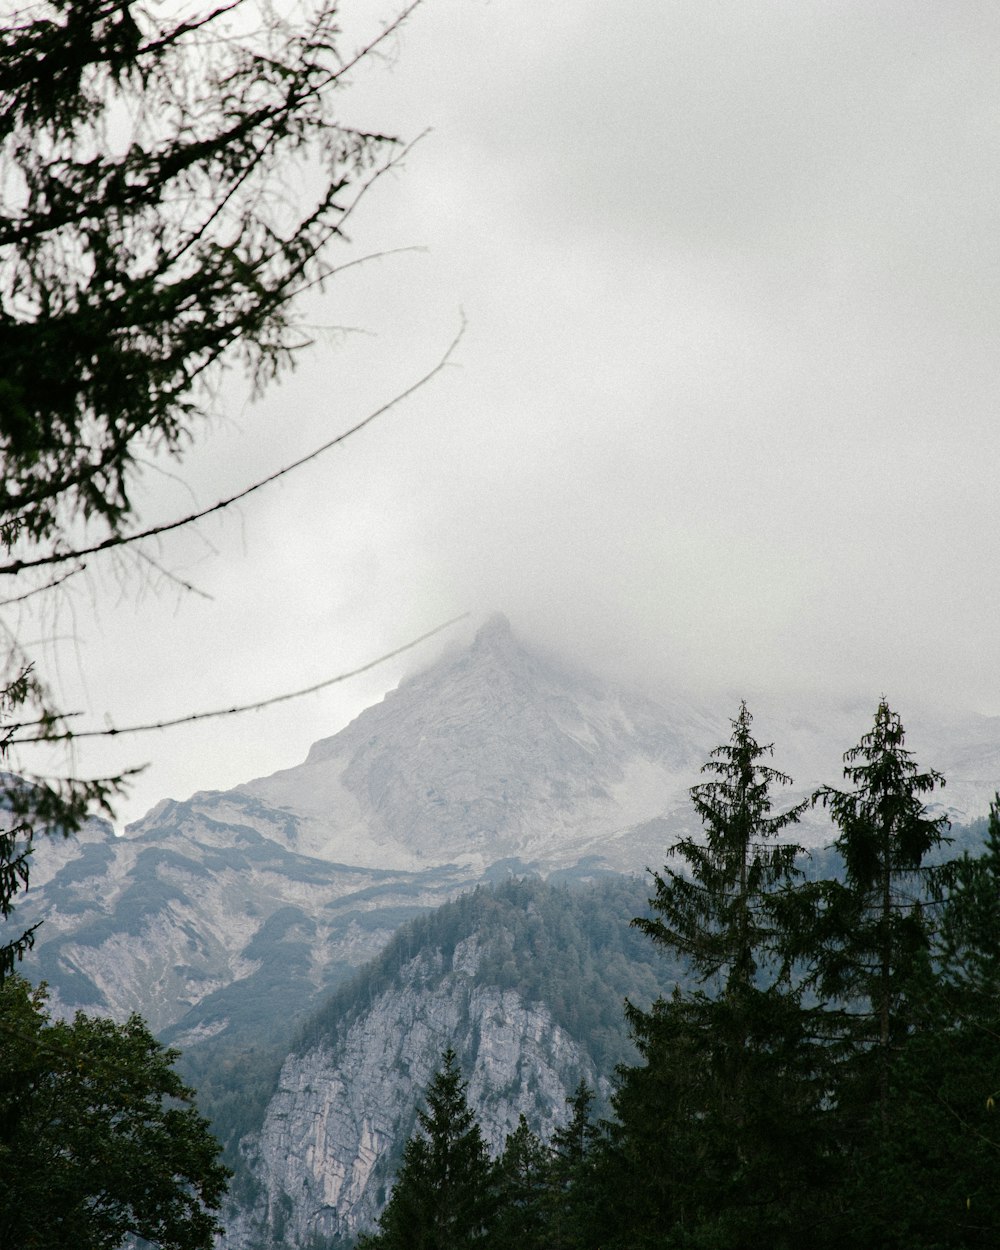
[
  {"x": 936, "y": 1166},
  {"x": 721, "y": 914},
  {"x": 718, "y": 912},
  {"x": 867, "y": 941},
  {"x": 968, "y": 939},
  {"x": 522, "y": 1177},
  {"x": 572, "y": 1190},
  {"x": 724, "y": 1112},
  {"x": 444, "y": 1197},
  {"x": 872, "y": 934}
]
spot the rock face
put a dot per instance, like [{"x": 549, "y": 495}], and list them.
[
  {"x": 525, "y": 981},
  {"x": 323, "y": 1159},
  {"x": 494, "y": 758},
  {"x": 192, "y": 922},
  {"x": 494, "y": 753}
]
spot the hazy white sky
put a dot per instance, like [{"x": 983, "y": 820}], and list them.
[{"x": 725, "y": 409}]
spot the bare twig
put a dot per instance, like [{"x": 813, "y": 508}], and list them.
[
  {"x": 56, "y": 581},
  {"x": 172, "y": 577},
  {"x": 71, "y": 736}
]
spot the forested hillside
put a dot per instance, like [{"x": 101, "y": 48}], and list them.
[{"x": 567, "y": 947}]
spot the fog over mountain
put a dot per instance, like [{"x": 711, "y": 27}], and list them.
[
  {"x": 499, "y": 757},
  {"x": 724, "y": 412}
]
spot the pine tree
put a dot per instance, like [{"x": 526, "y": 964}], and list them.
[
  {"x": 722, "y": 914},
  {"x": 723, "y": 1115},
  {"x": 868, "y": 940},
  {"x": 572, "y": 1190},
  {"x": 718, "y": 913},
  {"x": 968, "y": 940},
  {"x": 523, "y": 1179},
  {"x": 871, "y": 932},
  {"x": 938, "y": 1161},
  {"x": 444, "y": 1197}
]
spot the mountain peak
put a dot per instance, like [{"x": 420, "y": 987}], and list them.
[{"x": 494, "y": 631}]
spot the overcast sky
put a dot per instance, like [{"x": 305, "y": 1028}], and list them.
[{"x": 725, "y": 409}]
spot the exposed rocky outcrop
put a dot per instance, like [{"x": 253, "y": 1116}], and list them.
[{"x": 323, "y": 1159}]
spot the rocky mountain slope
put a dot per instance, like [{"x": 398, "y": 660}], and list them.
[
  {"x": 494, "y": 753},
  {"x": 493, "y": 759},
  {"x": 526, "y": 983}
]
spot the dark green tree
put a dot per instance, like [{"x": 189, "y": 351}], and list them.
[
  {"x": 967, "y": 942},
  {"x": 937, "y": 1164},
  {"x": 574, "y": 1192},
  {"x": 444, "y": 1196},
  {"x": 866, "y": 942},
  {"x": 725, "y": 1109},
  {"x": 98, "y": 1137},
  {"x": 871, "y": 932},
  {"x": 718, "y": 911},
  {"x": 522, "y": 1191}
]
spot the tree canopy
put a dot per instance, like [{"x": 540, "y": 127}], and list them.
[
  {"x": 98, "y": 1137},
  {"x": 823, "y": 1074}
]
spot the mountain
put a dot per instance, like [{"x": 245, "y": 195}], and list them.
[
  {"x": 225, "y": 919},
  {"x": 494, "y": 753},
  {"x": 496, "y": 758}
]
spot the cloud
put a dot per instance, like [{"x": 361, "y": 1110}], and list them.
[{"x": 725, "y": 410}]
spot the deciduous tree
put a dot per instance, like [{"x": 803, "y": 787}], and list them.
[{"x": 98, "y": 1137}]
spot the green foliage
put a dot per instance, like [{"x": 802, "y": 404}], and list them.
[
  {"x": 869, "y": 936},
  {"x": 719, "y": 913},
  {"x": 523, "y": 1183},
  {"x": 966, "y": 941},
  {"x": 570, "y": 948},
  {"x": 867, "y": 1119},
  {"x": 98, "y": 1137},
  {"x": 573, "y": 1198}
]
